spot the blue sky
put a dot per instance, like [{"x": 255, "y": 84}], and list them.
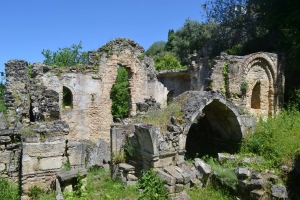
[{"x": 29, "y": 26}]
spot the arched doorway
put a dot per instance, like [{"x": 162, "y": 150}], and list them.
[{"x": 215, "y": 129}]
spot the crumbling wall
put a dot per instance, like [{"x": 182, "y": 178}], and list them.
[
  {"x": 176, "y": 81},
  {"x": 236, "y": 76}
]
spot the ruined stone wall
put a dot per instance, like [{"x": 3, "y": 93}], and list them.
[
  {"x": 90, "y": 117},
  {"x": 228, "y": 74},
  {"x": 176, "y": 81}
]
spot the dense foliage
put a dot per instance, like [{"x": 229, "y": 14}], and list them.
[
  {"x": 120, "y": 95},
  {"x": 247, "y": 26},
  {"x": 167, "y": 62},
  {"x": 65, "y": 57},
  {"x": 8, "y": 190},
  {"x": 2, "y": 98}
]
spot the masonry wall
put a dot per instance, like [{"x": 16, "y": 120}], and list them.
[{"x": 228, "y": 73}]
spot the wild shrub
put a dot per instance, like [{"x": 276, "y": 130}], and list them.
[
  {"x": 276, "y": 139},
  {"x": 35, "y": 192},
  {"x": 225, "y": 175},
  {"x": 161, "y": 117},
  {"x": 152, "y": 186},
  {"x": 8, "y": 190}
]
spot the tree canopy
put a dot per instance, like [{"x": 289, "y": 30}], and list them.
[{"x": 66, "y": 56}]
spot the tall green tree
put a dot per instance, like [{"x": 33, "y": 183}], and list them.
[
  {"x": 157, "y": 49},
  {"x": 120, "y": 95},
  {"x": 191, "y": 37}
]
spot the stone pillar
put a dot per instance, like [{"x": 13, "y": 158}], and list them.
[{"x": 17, "y": 82}]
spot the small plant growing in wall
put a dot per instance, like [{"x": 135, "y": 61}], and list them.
[{"x": 244, "y": 87}]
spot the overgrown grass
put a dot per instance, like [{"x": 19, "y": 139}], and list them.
[
  {"x": 161, "y": 117},
  {"x": 276, "y": 140},
  {"x": 209, "y": 192},
  {"x": 8, "y": 190}
]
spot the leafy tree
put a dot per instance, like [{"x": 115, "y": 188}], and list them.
[
  {"x": 65, "y": 57},
  {"x": 171, "y": 35},
  {"x": 120, "y": 95},
  {"x": 191, "y": 37},
  {"x": 156, "y": 49},
  {"x": 168, "y": 62}
]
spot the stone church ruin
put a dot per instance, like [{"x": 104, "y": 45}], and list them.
[{"x": 45, "y": 131}]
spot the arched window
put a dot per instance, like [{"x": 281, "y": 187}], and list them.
[
  {"x": 255, "y": 98},
  {"x": 67, "y": 102}
]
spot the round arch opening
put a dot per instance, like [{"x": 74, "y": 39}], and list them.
[{"x": 215, "y": 129}]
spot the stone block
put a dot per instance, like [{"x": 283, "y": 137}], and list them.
[
  {"x": 170, "y": 180},
  {"x": 126, "y": 167},
  {"x": 29, "y": 165},
  {"x": 170, "y": 188},
  {"x": 222, "y": 157},
  {"x": 178, "y": 188},
  {"x": 242, "y": 172},
  {"x": 50, "y": 163},
  {"x": 131, "y": 177},
  {"x": 2, "y": 167},
  {"x": 173, "y": 172},
  {"x": 186, "y": 173},
  {"x": 257, "y": 184},
  {"x": 6, "y": 156},
  {"x": 4, "y": 139},
  {"x": 279, "y": 192},
  {"x": 181, "y": 196},
  {"x": 258, "y": 195},
  {"x": 47, "y": 149},
  {"x": 69, "y": 175},
  {"x": 163, "y": 162}
]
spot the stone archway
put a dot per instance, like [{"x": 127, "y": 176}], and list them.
[
  {"x": 212, "y": 120},
  {"x": 260, "y": 74}
]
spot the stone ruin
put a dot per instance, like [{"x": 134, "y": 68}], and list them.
[{"x": 40, "y": 137}]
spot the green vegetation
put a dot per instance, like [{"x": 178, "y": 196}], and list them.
[
  {"x": 226, "y": 176},
  {"x": 65, "y": 57},
  {"x": 9, "y": 190},
  {"x": 209, "y": 192},
  {"x": 26, "y": 131},
  {"x": 152, "y": 186},
  {"x": 277, "y": 139},
  {"x": 161, "y": 117},
  {"x": 35, "y": 192},
  {"x": 120, "y": 95},
  {"x": 167, "y": 62},
  {"x": 2, "y": 98}
]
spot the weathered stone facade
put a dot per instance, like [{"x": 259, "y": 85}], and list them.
[
  {"x": 39, "y": 136},
  {"x": 255, "y": 81}
]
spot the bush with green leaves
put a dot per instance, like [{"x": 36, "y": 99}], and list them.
[
  {"x": 120, "y": 95},
  {"x": 276, "y": 139},
  {"x": 152, "y": 186},
  {"x": 35, "y": 192},
  {"x": 66, "y": 56},
  {"x": 169, "y": 61}
]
